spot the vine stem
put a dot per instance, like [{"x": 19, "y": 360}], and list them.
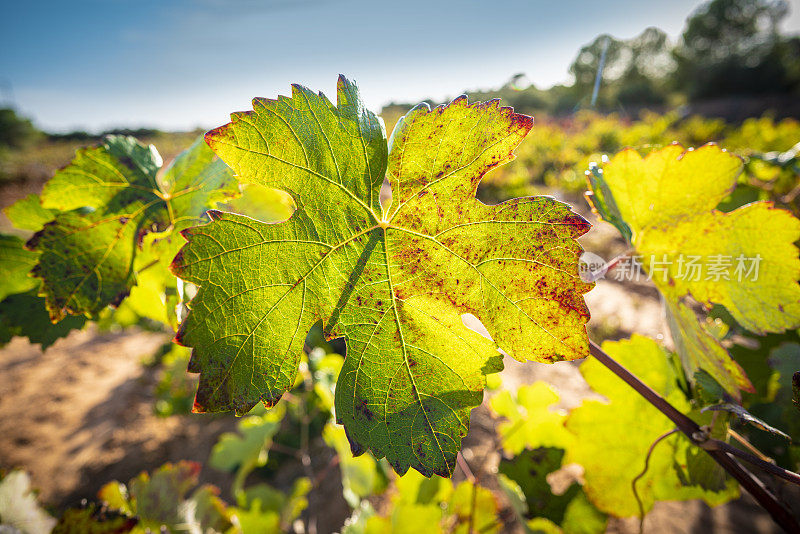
[
  {"x": 692, "y": 430},
  {"x": 462, "y": 463},
  {"x": 658, "y": 440},
  {"x": 752, "y": 459}
]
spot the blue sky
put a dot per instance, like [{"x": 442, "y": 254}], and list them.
[{"x": 181, "y": 64}]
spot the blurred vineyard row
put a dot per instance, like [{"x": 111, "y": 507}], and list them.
[
  {"x": 558, "y": 151},
  {"x": 553, "y": 157}
]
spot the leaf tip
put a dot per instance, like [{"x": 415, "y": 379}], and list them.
[
  {"x": 178, "y": 339},
  {"x": 344, "y": 82},
  {"x": 355, "y": 446},
  {"x": 176, "y": 265},
  {"x": 215, "y": 136},
  {"x": 197, "y": 407}
]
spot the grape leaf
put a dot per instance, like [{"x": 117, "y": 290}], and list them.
[
  {"x": 699, "y": 350},
  {"x": 362, "y": 476},
  {"x": 271, "y": 511},
  {"x": 436, "y": 505},
  {"x": 530, "y": 470},
  {"x": 393, "y": 283},
  {"x": 94, "y": 519},
  {"x": 25, "y": 314},
  {"x": 473, "y": 508},
  {"x": 247, "y": 448},
  {"x": 668, "y": 199},
  {"x": 162, "y": 500},
  {"x": 612, "y": 439},
  {"x": 15, "y": 265},
  {"x": 29, "y": 214},
  {"x": 578, "y": 516},
  {"x": 107, "y": 200},
  {"x": 766, "y": 300},
  {"x": 744, "y": 260},
  {"x": 531, "y": 420}
]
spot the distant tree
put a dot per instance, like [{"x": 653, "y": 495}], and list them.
[
  {"x": 732, "y": 47},
  {"x": 584, "y": 67},
  {"x": 15, "y": 131},
  {"x": 635, "y": 69}
]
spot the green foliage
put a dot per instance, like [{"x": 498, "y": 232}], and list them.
[
  {"x": 247, "y": 449},
  {"x": 635, "y": 70},
  {"x": 422, "y": 505},
  {"x": 24, "y": 314},
  {"x": 362, "y": 476},
  {"x": 175, "y": 389},
  {"x": 309, "y": 246},
  {"x": 162, "y": 501},
  {"x": 94, "y": 519},
  {"x": 606, "y": 456},
  {"x": 733, "y": 47},
  {"x": 527, "y": 474},
  {"x": 530, "y": 418},
  {"x": 557, "y": 151},
  {"x": 610, "y": 439},
  {"x": 15, "y": 264},
  {"x": 16, "y": 131},
  {"x": 269, "y": 511},
  {"x": 393, "y": 280},
  {"x": 105, "y": 226},
  {"x": 108, "y": 199}
]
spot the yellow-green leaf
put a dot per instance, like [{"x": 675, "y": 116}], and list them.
[
  {"x": 612, "y": 438},
  {"x": 745, "y": 260},
  {"x": 699, "y": 350},
  {"x": 532, "y": 421}
]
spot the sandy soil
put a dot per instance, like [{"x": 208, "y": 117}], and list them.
[{"x": 81, "y": 414}]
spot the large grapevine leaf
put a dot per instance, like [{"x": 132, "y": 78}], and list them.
[
  {"x": 394, "y": 283},
  {"x": 106, "y": 200},
  {"x": 668, "y": 199}
]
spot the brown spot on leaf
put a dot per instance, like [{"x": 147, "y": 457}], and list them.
[{"x": 362, "y": 410}]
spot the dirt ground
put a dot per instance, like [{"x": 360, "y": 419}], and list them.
[{"x": 81, "y": 413}]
